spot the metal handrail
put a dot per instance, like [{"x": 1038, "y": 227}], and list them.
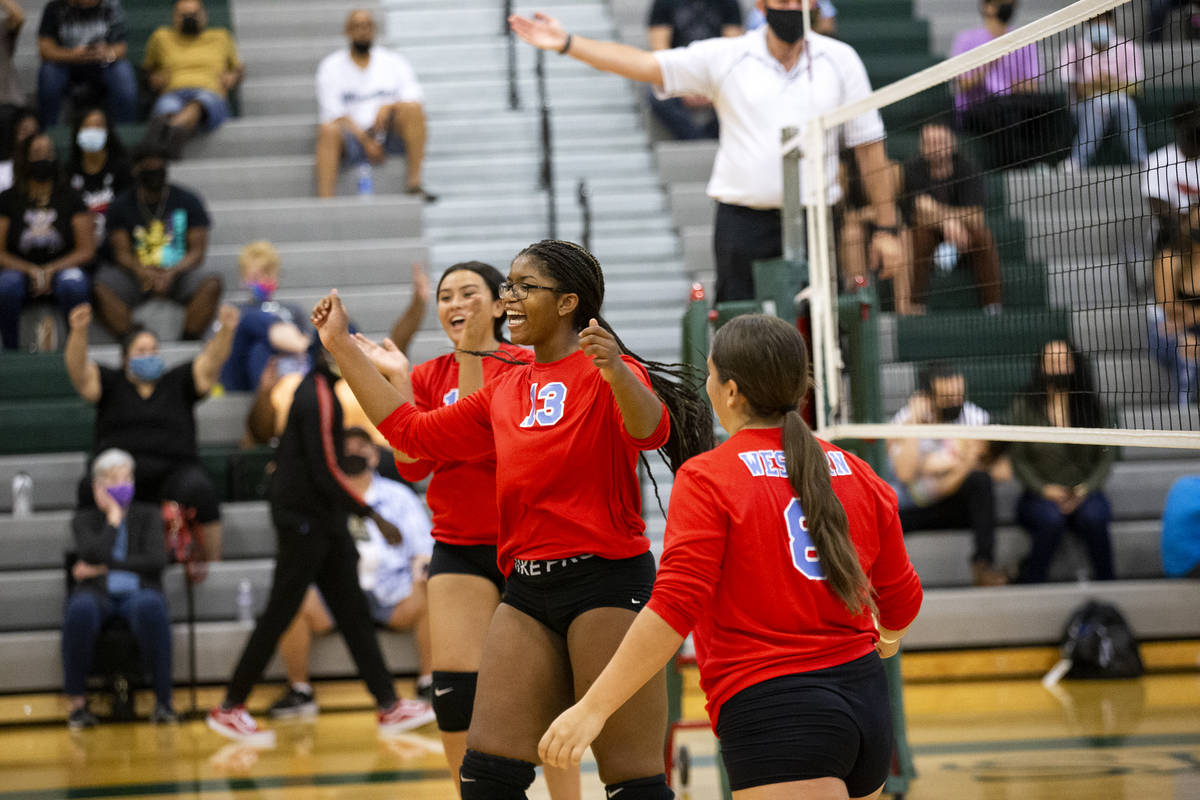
[
  {"x": 514, "y": 95},
  {"x": 584, "y": 199},
  {"x": 547, "y": 171}
]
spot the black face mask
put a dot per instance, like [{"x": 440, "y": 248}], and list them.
[
  {"x": 787, "y": 24},
  {"x": 190, "y": 25},
  {"x": 1058, "y": 381},
  {"x": 354, "y": 464},
  {"x": 949, "y": 413},
  {"x": 1005, "y": 11},
  {"x": 44, "y": 169},
  {"x": 361, "y": 48},
  {"x": 153, "y": 180}
]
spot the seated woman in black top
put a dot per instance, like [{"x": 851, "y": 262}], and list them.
[
  {"x": 98, "y": 168},
  {"x": 46, "y": 238},
  {"x": 147, "y": 410}
]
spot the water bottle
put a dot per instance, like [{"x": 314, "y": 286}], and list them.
[
  {"x": 366, "y": 183},
  {"x": 245, "y": 601},
  {"x": 22, "y": 495}
]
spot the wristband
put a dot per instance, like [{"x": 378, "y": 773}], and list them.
[{"x": 562, "y": 51}]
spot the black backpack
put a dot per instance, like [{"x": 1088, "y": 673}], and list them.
[{"x": 1098, "y": 643}]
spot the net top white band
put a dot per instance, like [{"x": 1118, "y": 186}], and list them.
[{"x": 1015, "y": 433}]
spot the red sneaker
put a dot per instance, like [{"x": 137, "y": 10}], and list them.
[
  {"x": 404, "y": 715},
  {"x": 237, "y": 724}
]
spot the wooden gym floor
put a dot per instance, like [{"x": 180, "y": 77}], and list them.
[{"x": 1006, "y": 739}]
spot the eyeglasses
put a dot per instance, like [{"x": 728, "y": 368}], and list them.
[{"x": 521, "y": 290}]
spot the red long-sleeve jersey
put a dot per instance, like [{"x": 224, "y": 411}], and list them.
[
  {"x": 566, "y": 468},
  {"x": 739, "y": 569},
  {"x": 461, "y": 494}
]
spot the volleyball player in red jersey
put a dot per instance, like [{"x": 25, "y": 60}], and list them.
[
  {"x": 566, "y": 431},
  {"x": 781, "y": 552},
  {"x": 465, "y": 583}
]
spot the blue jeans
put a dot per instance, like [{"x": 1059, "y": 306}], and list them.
[
  {"x": 680, "y": 120},
  {"x": 1095, "y": 116},
  {"x": 146, "y": 612},
  {"x": 117, "y": 78},
  {"x": 1046, "y": 525},
  {"x": 1185, "y": 369},
  {"x": 70, "y": 287},
  {"x": 216, "y": 110}
]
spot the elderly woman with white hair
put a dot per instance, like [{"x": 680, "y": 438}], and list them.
[{"x": 119, "y": 573}]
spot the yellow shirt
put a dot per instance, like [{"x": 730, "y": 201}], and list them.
[{"x": 192, "y": 62}]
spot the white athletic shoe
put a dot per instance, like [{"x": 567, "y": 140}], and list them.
[
  {"x": 404, "y": 715},
  {"x": 237, "y": 724}
]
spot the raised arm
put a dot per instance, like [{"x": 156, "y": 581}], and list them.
[
  {"x": 83, "y": 372},
  {"x": 545, "y": 33},
  {"x": 409, "y": 323},
  {"x": 641, "y": 408},
  {"x": 377, "y": 396},
  {"x": 207, "y": 366}
]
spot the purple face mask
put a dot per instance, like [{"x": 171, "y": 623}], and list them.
[{"x": 122, "y": 493}]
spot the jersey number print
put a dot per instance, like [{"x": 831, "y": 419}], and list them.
[
  {"x": 804, "y": 554},
  {"x": 551, "y": 396}
]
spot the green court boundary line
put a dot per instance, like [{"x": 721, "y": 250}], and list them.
[{"x": 411, "y": 776}]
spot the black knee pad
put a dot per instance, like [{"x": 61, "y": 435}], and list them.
[
  {"x": 488, "y": 777},
  {"x": 453, "y": 698},
  {"x": 653, "y": 788}
]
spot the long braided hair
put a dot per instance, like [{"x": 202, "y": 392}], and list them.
[{"x": 577, "y": 271}]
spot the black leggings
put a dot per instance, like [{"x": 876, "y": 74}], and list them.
[
  {"x": 320, "y": 552},
  {"x": 972, "y": 505}
]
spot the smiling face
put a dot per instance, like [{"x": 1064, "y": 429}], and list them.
[
  {"x": 461, "y": 293},
  {"x": 539, "y": 317}
]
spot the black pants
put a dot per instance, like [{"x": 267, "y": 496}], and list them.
[
  {"x": 742, "y": 236},
  {"x": 973, "y": 506},
  {"x": 320, "y": 552}
]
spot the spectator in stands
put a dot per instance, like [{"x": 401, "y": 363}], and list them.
[
  {"x": 1171, "y": 182},
  {"x": 98, "y": 169},
  {"x": 1103, "y": 71},
  {"x": 370, "y": 106},
  {"x": 1001, "y": 102},
  {"x": 1063, "y": 483},
  {"x": 1157, "y": 17},
  {"x": 119, "y": 544},
  {"x": 158, "y": 233},
  {"x": 12, "y": 97},
  {"x": 824, "y": 21},
  {"x": 678, "y": 23},
  {"x": 82, "y": 45},
  {"x": 858, "y": 225},
  {"x": 944, "y": 200},
  {"x": 392, "y": 576},
  {"x": 193, "y": 68},
  {"x": 46, "y": 242},
  {"x": 753, "y": 82},
  {"x": 943, "y": 483},
  {"x": 1181, "y": 529},
  {"x": 23, "y": 125},
  {"x": 149, "y": 411},
  {"x": 1174, "y": 317}
]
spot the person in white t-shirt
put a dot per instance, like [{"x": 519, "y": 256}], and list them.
[
  {"x": 393, "y": 576},
  {"x": 1171, "y": 182},
  {"x": 370, "y": 106},
  {"x": 759, "y": 84}
]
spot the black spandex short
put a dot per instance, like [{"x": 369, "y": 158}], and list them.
[
  {"x": 556, "y": 592},
  {"x": 466, "y": 559},
  {"x": 829, "y": 723}
]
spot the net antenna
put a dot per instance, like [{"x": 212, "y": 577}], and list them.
[{"x": 1075, "y": 242}]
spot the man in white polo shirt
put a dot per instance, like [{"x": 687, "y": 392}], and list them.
[
  {"x": 1171, "y": 180},
  {"x": 759, "y": 84},
  {"x": 370, "y": 106}
]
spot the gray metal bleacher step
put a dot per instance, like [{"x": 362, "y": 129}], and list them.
[
  {"x": 625, "y": 249},
  {"x": 330, "y": 262},
  {"x": 1165, "y": 417},
  {"x": 1076, "y": 194},
  {"x": 1091, "y": 284},
  {"x": 304, "y": 218},
  {"x": 534, "y": 229},
  {"x": 690, "y": 205},
  {"x": 685, "y": 162}
]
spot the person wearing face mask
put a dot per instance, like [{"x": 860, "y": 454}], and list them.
[
  {"x": 944, "y": 483},
  {"x": 758, "y": 84},
  {"x": 193, "y": 68},
  {"x": 82, "y": 44},
  {"x": 118, "y": 572},
  {"x": 1103, "y": 71},
  {"x": 98, "y": 169},
  {"x": 1063, "y": 483},
  {"x": 312, "y": 499},
  {"x": 149, "y": 411},
  {"x": 391, "y": 575},
  {"x": 370, "y": 105},
  {"x": 46, "y": 241},
  {"x": 158, "y": 233},
  {"x": 1004, "y": 95}
]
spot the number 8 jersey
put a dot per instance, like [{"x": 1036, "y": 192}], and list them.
[
  {"x": 739, "y": 568},
  {"x": 566, "y": 467}
]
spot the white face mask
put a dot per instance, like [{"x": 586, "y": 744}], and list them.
[{"x": 92, "y": 140}]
